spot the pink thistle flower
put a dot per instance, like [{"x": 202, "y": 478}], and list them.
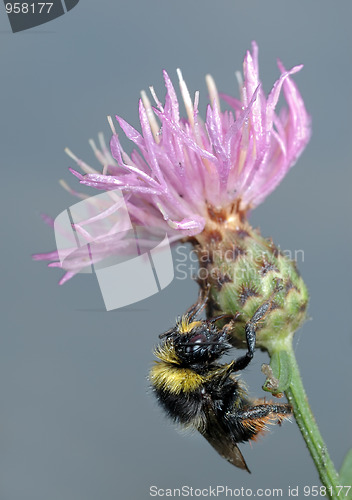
[{"x": 185, "y": 169}]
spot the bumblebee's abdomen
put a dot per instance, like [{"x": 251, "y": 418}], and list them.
[
  {"x": 179, "y": 392},
  {"x": 185, "y": 409}
]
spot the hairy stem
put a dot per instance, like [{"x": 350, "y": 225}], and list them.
[{"x": 306, "y": 422}]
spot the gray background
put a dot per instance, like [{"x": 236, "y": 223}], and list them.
[{"x": 76, "y": 419}]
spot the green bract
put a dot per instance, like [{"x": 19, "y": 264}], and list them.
[{"x": 244, "y": 270}]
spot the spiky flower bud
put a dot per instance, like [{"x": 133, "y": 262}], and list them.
[{"x": 245, "y": 271}]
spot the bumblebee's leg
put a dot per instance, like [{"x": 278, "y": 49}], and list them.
[
  {"x": 264, "y": 410},
  {"x": 223, "y": 316},
  {"x": 250, "y": 421},
  {"x": 193, "y": 311},
  {"x": 165, "y": 334},
  {"x": 198, "y": 307},
  {"x": 250, "y": 330}
]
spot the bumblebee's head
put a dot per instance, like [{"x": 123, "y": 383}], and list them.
[{"x": 197, "y": 342}]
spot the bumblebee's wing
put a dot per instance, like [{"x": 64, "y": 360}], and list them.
[{"x": 223, "y": 444}]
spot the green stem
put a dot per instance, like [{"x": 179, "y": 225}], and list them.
[{"x": 304, "y": 417}]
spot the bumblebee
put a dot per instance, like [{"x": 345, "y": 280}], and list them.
[{"x": 199, "y": 393}]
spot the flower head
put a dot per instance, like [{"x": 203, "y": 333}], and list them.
[
  {"x": 185, "y": 170},
  {"x": 185, "y": 166}
]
